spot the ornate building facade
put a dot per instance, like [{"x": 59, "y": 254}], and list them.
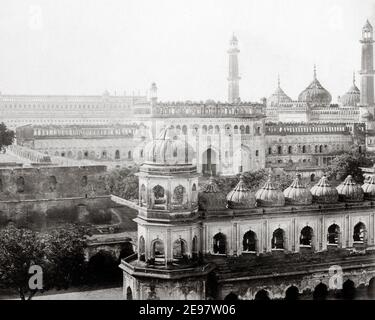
[
  {"x": 227, "y": 137},
  {"x": 186, "y": 252}
]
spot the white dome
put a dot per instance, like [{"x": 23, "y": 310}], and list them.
[{"x": 168, "y": 150}]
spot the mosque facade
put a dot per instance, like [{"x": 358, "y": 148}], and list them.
[{"x": 227, "y": 137}]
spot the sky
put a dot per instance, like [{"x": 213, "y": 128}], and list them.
[{"x": 89, "y": 46}]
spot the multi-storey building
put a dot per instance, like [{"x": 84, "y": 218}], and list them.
[{"x": 214, "y": 251}]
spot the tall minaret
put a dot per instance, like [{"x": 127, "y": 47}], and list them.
[
  {"x": 367, "y": 68},
  {"x": 233, "y": 77}
]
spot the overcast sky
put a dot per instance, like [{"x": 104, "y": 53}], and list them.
[{"x": 88, "y": 46}]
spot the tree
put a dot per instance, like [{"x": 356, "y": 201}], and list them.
[
  {"x": 348, "y": 163},
  {"x": 6, "y": 136},
  {"x": 122, "y": 182},
  {"x": 20, "y": 249},
  {"x": 65, "y": 254},
  {"x": 59, "y": 252}
]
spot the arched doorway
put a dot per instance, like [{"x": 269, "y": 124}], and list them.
[
  {"x": 158, "y": 251},
  {"x": 195, "y": 248},
  {"x": 371, "y": 289},
  {"x": 209, "y": 162},
  {"x": 179, "y": 249},
  {"x": 348, "y": 290},
  {"x": 333, "y": 236},
  {"x": 219, "y": 245},
  {"x": 129, "y": 294},
  {"x": 231, "y": 297},
  {"x": 262, "y": 295},
  {"x": 320, "y": 292},
  {"x": 142, "y": 249},
  {"x": 249, "y": 242},
  {"x": 306, "y": 237},
  {"x": 278, "y": 239},
  {"x": 292, "y": 293}
]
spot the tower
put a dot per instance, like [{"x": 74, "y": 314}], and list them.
[
  {"x": 367, "y": 68},
  {"x": 153, "y": 93},
  {"x": 167, "y": 264},
  {"x": 233, "y": 77}
]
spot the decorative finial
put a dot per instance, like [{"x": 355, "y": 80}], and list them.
[
  {"x": 314, "y": 71},
  {"x": 278, "y": 80},
  {"x": 353, "y": 77}
]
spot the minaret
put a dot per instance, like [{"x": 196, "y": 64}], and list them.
[
  {"x": 367, "y": 68},
  {"x": 153, "y": 93},
  {"x": 233, "y": 77}
]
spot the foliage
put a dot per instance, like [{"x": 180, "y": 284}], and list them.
[
  {"x": 348, "y": 163},
  {"x": 253, "y": 180},
  {"x": 21, "y": 248},
  {"x": 122, "y": 182},
  {"x": 66, "y": 257},
  {"x": 6, "y": 136},
  {"x": 60, "y": 254}
]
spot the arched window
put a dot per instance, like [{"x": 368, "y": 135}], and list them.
[
  {"x": 142, "y": 249},
  {"x": 52, "y": 183},
  {"x": 194, "y": 194},
  {"x": 306, "y": 236},
  {"x": 333, "y": 236},
  {"x": 141, "y": 153},
  {"x": 117, "y": 154},
  {"x": 20, "y": 184},
  {"x": 178, "y": 194},
  {"x": 290, "y": 149},
  {"x": 129, "y": 294},
  {"x": 219, "y": 245},
  {"x": 217, "y": 129},
  {"x": 278, "y": 239},
  {"x": 321, "y": 149},
  {"x": 129, "y": 155},
  {"x": 204, "y": 129},
  {"x": 84, "y": 181},
  {"x": 184, "y": 130},
  {"x": 247, "y": 130},
  {"x": 312, "y": 177},
  {"x": 303, "y": 149},
  {"x": 194, "y": 249},
  {"x": 159, "y": 194},
  {"x": 269, "y": 150},
  {"x": 158, "y": 249},
  {"x": 359, "y": 234},
  {"x": 179, "y": 249},
  {"x": 143, "y": 195},
  {"x": 235, "y": 129},
  {"x": 279, "y": 149},
  {"x": 249, "y": 242},
  {"x": 242, "y": 129}
]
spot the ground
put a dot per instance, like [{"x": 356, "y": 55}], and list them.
[{"x": 98, "y": 294}]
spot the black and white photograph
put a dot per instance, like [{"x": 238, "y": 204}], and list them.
[{"x": 208, "y": 150}]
